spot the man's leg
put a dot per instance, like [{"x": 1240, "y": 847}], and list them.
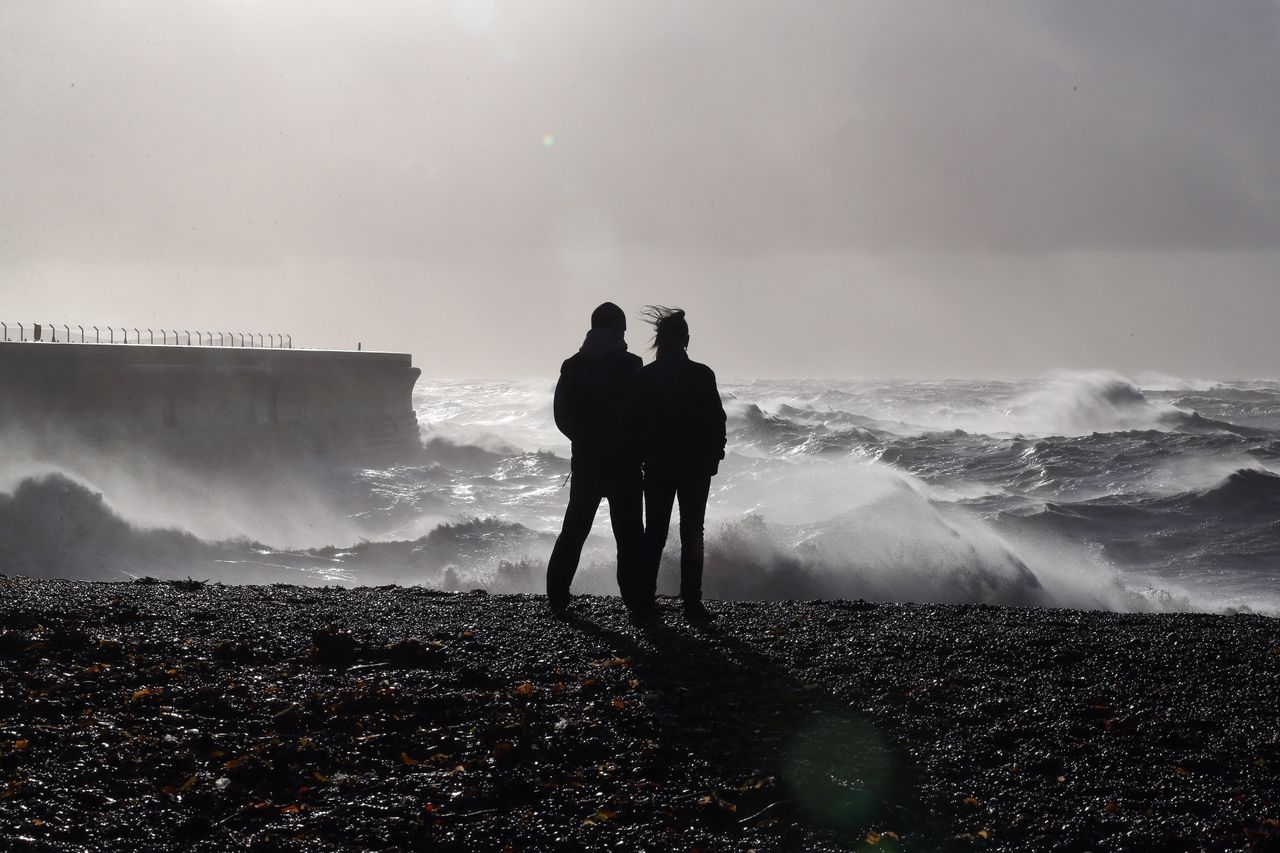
[
  {"x": 659, "y": 500},
  {"x": 693, "y": 512},
  {"x": 625, "y": 513},
  {"x": 584, "y": 499}
]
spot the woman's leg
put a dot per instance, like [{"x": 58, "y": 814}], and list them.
[
  {"x": 659, "y": 500},
  {"x": 693, "y": 512}
]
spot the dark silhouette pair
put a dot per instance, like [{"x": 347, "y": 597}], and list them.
[{"x": 643, "y": 436}]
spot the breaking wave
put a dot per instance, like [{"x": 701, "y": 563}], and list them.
[{"x": 58, "y": 527}]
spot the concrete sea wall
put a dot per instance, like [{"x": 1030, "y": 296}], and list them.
[{"x": 212, "y": 404}]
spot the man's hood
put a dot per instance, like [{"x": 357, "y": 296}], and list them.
[{"x": 602, "y": 342}]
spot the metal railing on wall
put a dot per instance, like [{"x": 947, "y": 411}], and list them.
[{"x": 64, "y": 333}]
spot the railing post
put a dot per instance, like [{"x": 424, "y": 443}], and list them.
[
  {"x": 112, "y": 331},
  {"x": 6, "y": 330},
  {"x": 138, "y": 336},
  {"x": 22, "y": 333},
  {"x": 81, "y": 328},
  {"x": 290, "y": 341},
  {"x": 151, "y": 337}
]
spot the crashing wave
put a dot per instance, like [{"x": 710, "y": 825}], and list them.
[
  {"x": 1248, "y": 490},
  {"x": 1081, "y": 403},
  {"x": 53, "y": 526}
]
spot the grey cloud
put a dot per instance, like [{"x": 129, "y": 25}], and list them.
[
  {"x": 860, "y": 188},
  {"x": 241, "y": 132}
]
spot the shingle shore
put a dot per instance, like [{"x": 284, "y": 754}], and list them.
[{"x": 175, "y": 716}]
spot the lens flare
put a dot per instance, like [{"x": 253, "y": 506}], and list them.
[{"x": 842, "y": 770}]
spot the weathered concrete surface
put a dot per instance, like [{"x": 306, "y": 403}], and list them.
[{"x": 211, "y": 403}]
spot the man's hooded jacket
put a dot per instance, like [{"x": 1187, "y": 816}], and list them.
[{"x": 595, "y": 404}]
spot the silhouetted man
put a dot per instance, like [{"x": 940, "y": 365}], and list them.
[
  {"x": 595, "y": 408},
  {"x": 684, "y": 443}
]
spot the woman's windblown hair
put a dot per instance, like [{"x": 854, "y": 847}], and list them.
[{"x": 670, "y": 329}]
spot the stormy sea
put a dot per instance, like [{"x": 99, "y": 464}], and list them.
[{"x": 1086, "y": 490}]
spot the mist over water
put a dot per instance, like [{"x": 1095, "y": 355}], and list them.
[{"x": 1086, "y": 490}]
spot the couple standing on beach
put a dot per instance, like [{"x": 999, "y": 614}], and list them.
[{"x": 643, "y": 436}]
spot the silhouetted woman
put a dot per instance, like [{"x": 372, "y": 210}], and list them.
[{"x": 684, "y": 444}]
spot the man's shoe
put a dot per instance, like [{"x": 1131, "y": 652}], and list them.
[
  {"x": 559, "y": 607},
  {"x": 642, "y": 617},
  {"x": 696, "y": 613}
]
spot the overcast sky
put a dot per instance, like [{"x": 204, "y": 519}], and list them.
[{"x": 830, "y": 188}]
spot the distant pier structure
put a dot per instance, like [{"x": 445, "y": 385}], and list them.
[{"x": 204, "y": 397}]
